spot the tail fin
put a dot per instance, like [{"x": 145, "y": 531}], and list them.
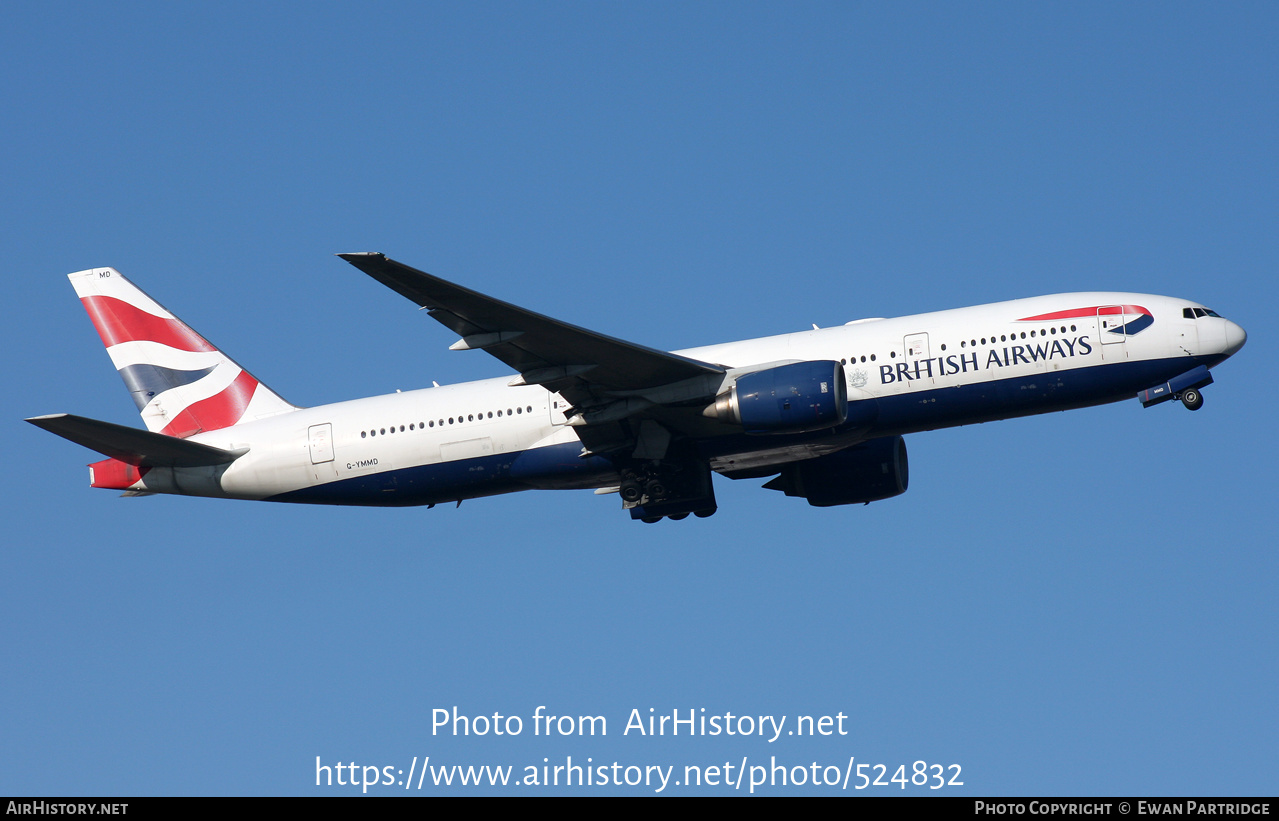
[{"x": 181, "y": 384}]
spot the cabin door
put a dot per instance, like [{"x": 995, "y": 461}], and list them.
[
  {"x": 1110, "y": 330},
  {"x": 916, "y": 347},
  {"x": 320, "y": 441}
]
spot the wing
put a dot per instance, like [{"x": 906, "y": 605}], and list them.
[
  {"x": 587, "y": 368},
  {"x": 612, "y": 384}
]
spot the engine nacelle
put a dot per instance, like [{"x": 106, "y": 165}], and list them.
[
  {"x": 795, "y": 398},
  {"x": 862, "y": 474}
]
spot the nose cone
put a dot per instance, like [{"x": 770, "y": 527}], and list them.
[{"x": 1235, "y": 337}]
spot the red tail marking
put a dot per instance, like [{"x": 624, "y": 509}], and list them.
[
  {"x": 117, "y": 321},
  {"x": 222, "y": 410}
]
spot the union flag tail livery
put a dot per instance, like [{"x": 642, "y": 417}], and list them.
[
  {"x": 180, "y": 382},
  {"x": 819, "y": 414}
]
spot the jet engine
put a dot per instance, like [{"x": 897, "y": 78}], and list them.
[
  {"x": 795, "y": 398},
  {"x": 862, "y": 474}
]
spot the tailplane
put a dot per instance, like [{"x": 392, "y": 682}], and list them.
[
  {"x": 132, "y": 453},
  {"x": 131, "y": 446},
  {"x": 180, "y": 382}
]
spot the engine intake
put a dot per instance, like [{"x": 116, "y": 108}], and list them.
[{"x": 795, "y": 398}]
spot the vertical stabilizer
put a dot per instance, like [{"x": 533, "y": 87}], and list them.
[{"x": 180, "y": 382}]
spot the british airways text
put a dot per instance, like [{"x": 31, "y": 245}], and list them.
[{"x": 964, "y": 363}]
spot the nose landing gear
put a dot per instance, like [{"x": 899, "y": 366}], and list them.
[{"x": 1188, "y": 387}]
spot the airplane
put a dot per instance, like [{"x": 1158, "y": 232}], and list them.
[{"x": 821, "y": 413}]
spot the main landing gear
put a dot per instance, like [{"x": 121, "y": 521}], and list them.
[{"x": 659, "y": 490}]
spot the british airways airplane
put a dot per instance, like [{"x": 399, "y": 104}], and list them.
[{"x": 821, "y": 412}]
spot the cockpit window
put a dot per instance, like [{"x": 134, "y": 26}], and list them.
[
  {"x": 1188, "y": 313},
  {"x": 1210, "y": 312},
  {"x": 1195, "y": 313}
]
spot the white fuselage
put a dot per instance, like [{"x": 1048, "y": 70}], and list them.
[{"x": 922, "y": 372}]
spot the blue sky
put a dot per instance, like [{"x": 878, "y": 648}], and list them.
[{"x": 1077, "y": 603}]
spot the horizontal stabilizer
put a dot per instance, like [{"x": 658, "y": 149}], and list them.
[{"x": 132, "y": 446}]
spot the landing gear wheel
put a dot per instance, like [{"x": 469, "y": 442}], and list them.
[
  {"x": 655, "y": 489},
  {"x": 631, "y": 491},
  {"x": 1192, "y": 399},
  {"x": 651, "y": 520},
  {"x": 678, "y": 517}
]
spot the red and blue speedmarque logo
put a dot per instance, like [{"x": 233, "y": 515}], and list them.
[{"x": 1140, "y": 321}]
